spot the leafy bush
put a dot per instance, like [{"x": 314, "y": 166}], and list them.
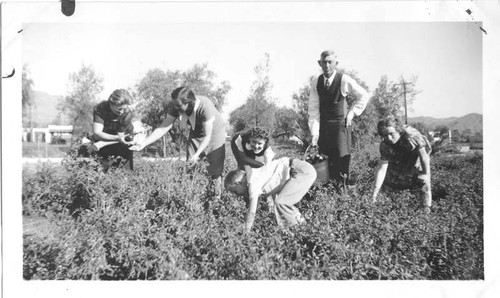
[
  {"x": 42, "y": 190},
  {"x": 162, "y": 222}
]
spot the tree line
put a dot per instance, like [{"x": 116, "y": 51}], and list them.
[{"x": 259, "y": 108}]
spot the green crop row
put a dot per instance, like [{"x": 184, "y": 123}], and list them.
[{"x": 161, "y": 222}]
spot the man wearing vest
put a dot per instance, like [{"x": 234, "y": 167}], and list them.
[{"x": 330, "y": 118}]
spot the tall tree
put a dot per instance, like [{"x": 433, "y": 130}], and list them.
[
  {"x": 153, "y": 92},
  {"x": 85, "y": 86},
  {"x": 238, "y": 118},
  {"x": 202, "y": 80},
  {"x": 389, "y": 97},
  {"x": 259, "y": 108},
  {"x": 27, "y": 99},
  {"x": 300, "y": 101},
  {"x": 286, "y": 122}
]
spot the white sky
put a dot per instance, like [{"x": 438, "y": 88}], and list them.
[
  {"x": 458, "y": 69},
  {"x": 446, "y": 57}
]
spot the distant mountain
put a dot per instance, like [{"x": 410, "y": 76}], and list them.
[
  {"x": 472, "y": 121},
  {"x": 45, "y": 109}
]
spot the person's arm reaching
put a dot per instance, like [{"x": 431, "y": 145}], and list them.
[
  {"x": 156, "y": 134},
  {"x": 379, "y": 178},
  {"x": 100, "y": 135},
  {"x": 255, "y": 181},
  {"x": 253, "y": 199}
]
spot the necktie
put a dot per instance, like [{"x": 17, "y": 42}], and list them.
[{"x": 327, "y": 83}]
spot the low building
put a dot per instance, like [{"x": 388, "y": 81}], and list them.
[{"x": 50, "y": 134}]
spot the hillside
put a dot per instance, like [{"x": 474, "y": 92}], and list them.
[
  {"x": 45, "y": 110},
  {"x": 472, "y": 121}
]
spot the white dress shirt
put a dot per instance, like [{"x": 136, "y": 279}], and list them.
[{"x": 347, "y": 86}]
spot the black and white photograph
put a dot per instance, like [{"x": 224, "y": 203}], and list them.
[{"x": 250, "y": 147}]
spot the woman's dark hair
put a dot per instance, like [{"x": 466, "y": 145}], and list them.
[
  {"x": 388, "y": 122},
  {"x": 257, "y": 132},
  {"x": 120, "y": 97},
  {"x": 184, "y": 94}
]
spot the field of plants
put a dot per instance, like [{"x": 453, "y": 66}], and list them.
[{"x": 159, "y": 223}]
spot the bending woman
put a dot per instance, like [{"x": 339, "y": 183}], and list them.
[{"x": 404, "y": 160}]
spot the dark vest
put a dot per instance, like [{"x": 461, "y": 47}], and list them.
[{"x": 332, "y": 105}]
